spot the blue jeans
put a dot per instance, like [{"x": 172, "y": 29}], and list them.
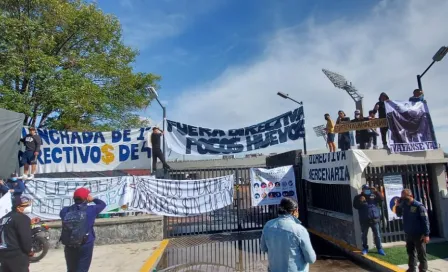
[
  {"x": 79, "y": 259},
  {"x": 376, "y": 234}
]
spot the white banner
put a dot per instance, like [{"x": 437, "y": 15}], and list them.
[
  {"x": 269, "y": 186},
  {"x": 192, "y": 140},
  {"x": 49, "y": 196},
  {"x": 180, "y": 198},
  {"x": 393, "y": 185},
  {"x": 5, "y": 204},
  {"x": 342, "y": 167},
  {"x": 64, "y": 151}
]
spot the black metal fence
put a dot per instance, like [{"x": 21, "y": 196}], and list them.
[
  {"x": 332, "y": 197},
  {"x": 418, "y": 180},
  {"x": 240, "y": 216}
]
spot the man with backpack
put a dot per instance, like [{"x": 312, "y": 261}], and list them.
[
  {"x": 77, "y": 233},
  {"x": 368, "y": 205}
]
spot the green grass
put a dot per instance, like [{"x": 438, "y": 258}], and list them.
[{"x": 398, "y": 255}]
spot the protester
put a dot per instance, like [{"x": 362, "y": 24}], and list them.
[
  {"x": 380, "y": 107},
  {"x": 13, "y": 185},
  {"x": 156, "y": 150},
  {"x": 330, "y": 133},
  {"x": 368, "y": 205},
  {"x": 343, "y": 138},
  {"x": 286, "y": 241},
  {"x": 77, "y": 233},
  {"x": 372, "y": 132},
  {"x": 418, "y": 96},
  {"x": 15, "y": 241},
  {"x": 361, "y": 136},
  {"x": 416, "y": 227},
  {"x": 32, "y": 143}
]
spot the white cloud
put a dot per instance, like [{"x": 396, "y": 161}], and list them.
[{"x": 381, "y": 52}]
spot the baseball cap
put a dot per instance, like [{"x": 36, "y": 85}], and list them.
[
  {"x": 82, "y": 193},
  {"x": 22, "y": 201},
  {"x": 365, "y": 187}
]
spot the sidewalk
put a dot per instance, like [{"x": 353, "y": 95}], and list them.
[
  {"x": 433, "y": 266},
  {"x": 110, "y": 258}
]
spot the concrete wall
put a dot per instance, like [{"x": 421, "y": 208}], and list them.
[
  {"x": 337, "y": 225},
  {"x": 220, "y": 163},
  {"x": 121, "y": 230}
]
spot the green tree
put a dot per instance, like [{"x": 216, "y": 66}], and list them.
[{"x": 64, "y": 65}]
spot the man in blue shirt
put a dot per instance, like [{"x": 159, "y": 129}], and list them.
[
  {"x": 368, "y": 205},
  {"x": 13, "y": 185},
  {"x": 416, "y": 227},
  {"x": 286, "y": 241},
  {"x": 79, "y": 258}
]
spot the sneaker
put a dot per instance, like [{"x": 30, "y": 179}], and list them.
[
  {"x": 381, "y": 252},
  {"x": 25, "y": 176},
  {"x": 364, "y": 251},
  {"x": 31, "y": 176}
]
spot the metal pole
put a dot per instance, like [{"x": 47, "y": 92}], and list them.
[
  {"x": 163, "y": 128},
  {"x": 419, "y": 82},
  {"x": 304, "y": 131}
]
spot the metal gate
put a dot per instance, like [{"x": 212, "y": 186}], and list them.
[
  {"x": 417, "y": 179},
  {"x": 240, "y": 216}
]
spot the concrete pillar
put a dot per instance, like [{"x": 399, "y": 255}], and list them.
[{"x": 440, "y": 197}]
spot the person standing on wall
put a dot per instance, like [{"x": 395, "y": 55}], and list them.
[
  {"x": 77, "y": 233},
  {"x": 372, "y": 132},
  {"x": 156, "y": 150},
  {"x": 362, "y": 136},
  {"x": 343, "y": 138},
  {"x": 32, "y": 143},
  {"x": 380, "y": 107},
  {"x": 15, "y": 237},
  {"x": 368, "y": 205},
  {"x": 330, "y": 133},
  {"x": 416, "y": 227},
  {"x": 286, "y": 241}
]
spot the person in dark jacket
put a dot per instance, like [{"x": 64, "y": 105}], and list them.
[
  {"x": 14, "y": 185},
  {"x": 156, "y": 150},
  {"x": 15, "y": 238},
  {"x": 343, "y": 138},
  {"x": 368, "y": 205},
  {"x": 32, "y": 143},
  {"x": 362, "y": 136},
  {"x": 381, "y": 109},
  {"x": 416, "y": 227},
  {"x": 78, "y": 259}
]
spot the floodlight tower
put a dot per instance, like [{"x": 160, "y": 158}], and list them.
[{"x": 341, "y": 83}]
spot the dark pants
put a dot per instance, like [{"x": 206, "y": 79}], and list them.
[
  {"x": 416, "y": 250},
  {"x": 376, "y": 234},
  {"x": 17, "y": 263},
  {"x": 383, "y": 131},
  {"x": 158, "y": 154},
  {"x": 373, "y": 137},
  {"x": 78, "y": 259}
]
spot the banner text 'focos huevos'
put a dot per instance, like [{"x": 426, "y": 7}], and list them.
[
  {"x": 192, "y": 140},
  {"x": 64, "y": 151}
]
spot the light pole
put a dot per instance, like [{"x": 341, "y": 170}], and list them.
[
  {"x": 340, "y": 82},
  {"x": 286, "y": 96},
  {"x": 437, "y": 57},
  {"x": 153, "y": 91}
]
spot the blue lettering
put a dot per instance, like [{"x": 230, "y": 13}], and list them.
[
  {"x": 47, "y": 156},
  {"x": 84, "y": 155},
  {"x": 65, "y": 139},
  {"x": 99, "y": 135},
  {"x": 53, "y": 136},
  {"x": 95, "y": 154},
  {"x": 123, "y": 152},
  {"x": 43, "y": 135},
  {"x": 87, "y": 137},
  {"x": 116, "y": 136},
  {"x": 39, "y": 157},
  {"x": 141, "y": 137},
  {"x": 54, "y": 155},
  {"x": 76, "y": 137},
  {"x": 134, "y": 152},
  {"x": 67, "y": 150},
  {"x": 146, "y": 149},
  {"x": 126, "y": 135},
  {"x": 24, "y": 132}
]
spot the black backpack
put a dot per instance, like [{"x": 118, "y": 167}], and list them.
[{"x": 75, "y": 226}]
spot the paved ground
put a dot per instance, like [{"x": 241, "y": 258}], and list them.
[
  {"x": 434, "y": 266},
  {"x": 110, "y": 258}
]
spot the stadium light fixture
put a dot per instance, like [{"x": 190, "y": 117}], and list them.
[{"x": 436, "y": 58}]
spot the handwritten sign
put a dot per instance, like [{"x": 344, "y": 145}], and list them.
[
  {"x": 349, "y": 126},
  {"x": 49, "y": 196},
  {"x": 180, "y": 198}
]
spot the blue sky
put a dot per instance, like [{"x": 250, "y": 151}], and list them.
[{"x": 222, "y": 61}]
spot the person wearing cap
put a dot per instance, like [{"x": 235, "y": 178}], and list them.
[
  {"x": 361, "y": 136},
  {"x": 368, "y": 204},
  {"x": 380, "y": 107},
  {"x": 14, "y": 185},
  {"x": 32, "y": 143},
  {"x": 343, "y": 138},
  {"x": 156, "y": 150},
  {"x": 79, "y": 258},
  {"x": 15, "y": 233}
]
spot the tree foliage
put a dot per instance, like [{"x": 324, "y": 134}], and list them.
[{"x": 64, "y": 65}]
